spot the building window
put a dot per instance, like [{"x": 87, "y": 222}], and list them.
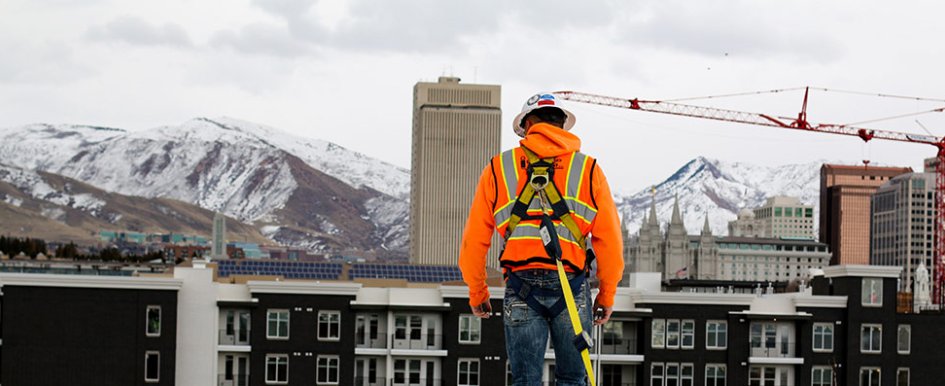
[
  {"x": 870, "y": 376},
  {"x": 327, "y": 370},
  {"x": 763, "y": 335},
  {"x": 686, "y": 374},
  {"x": 658, "y": 339},
  {"x": 716, "y": 334},
  {"x": 277, "y": 324},
  {"x": 688, "y": 333},
  {"x": 406, "y": 371},
  {"x": 277, "y": 369},
  {"x": 672, "y": 334},
  {"x": 871, "y": 338},
  {"x": 715, "y": 375},
  {"x": 672, "y": 374},
  {"x": 872, "y": 292},
  {"x": 823, "y": 337},
  {"x": 152, "y": 366},
  {"x": 905, "y": 339},
  {"x": 469, "y": 329},
  {"x": 329, "y": 325},
  {"x": 407, "y": 327},
  {"x": 821, "y": 376},
  {"x": 656, "y": 374},
  {"x": 468, "y": 372},
  {"x": 902, "y": 377},
  {"x": 767, "y": 376},
  {"x": 153, "y": 318}
]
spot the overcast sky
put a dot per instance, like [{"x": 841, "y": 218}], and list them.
[{"x": 343, "y": 70}]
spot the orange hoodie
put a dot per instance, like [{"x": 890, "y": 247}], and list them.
[{"x": 546, "y": 141}]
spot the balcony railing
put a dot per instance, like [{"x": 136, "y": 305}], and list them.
[
  {"x": 233, "y": 380},
  {"x": 234, "y": 338},
  {"x": 379, "y": 340},
  {"x": 415, "y": 382},
  {"x": 366, "y": 381},
  {"x": 422, "y": 342},
  {"x": 779, "y": 350},
  {"x": 618, "y": 346}
]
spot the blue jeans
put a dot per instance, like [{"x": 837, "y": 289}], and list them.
[{"x": 526, "y": 333}]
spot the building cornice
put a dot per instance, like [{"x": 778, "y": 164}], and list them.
[
  {"x": 460, "y": 291},
  {"x": 696, "y": 298},
  {"x": 821, "y": 301},
  {"x": 90, "y": 281},
  {"x": 861, "y": 271},
  {"x": 772, "y": 315},
  {"x": 303, "y": 287}
]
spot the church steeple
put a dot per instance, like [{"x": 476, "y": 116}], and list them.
[
  {"x": 677, "y": 219},
  {"x": 706, "y": 231}
]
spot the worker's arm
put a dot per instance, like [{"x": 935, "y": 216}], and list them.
[
  {"x": 607, "y": 240},
  {"x": 477, "y": 237}
]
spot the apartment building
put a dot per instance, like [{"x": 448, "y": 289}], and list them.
[{"x": 188, "y": 329}]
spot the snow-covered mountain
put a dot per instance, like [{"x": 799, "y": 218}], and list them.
[
  {"x": 298, "y": 191},
  {"x": 57, "y": 208},
  {"x": 720, "y": 189}
]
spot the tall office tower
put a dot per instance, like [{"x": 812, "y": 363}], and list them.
[
  {"x": 845, "y": 208},
  {"x": 456, "y": 131},
  {"x": 218, "y": 248},
  {"x": 783, "y": 216},
  {"x": 903, "y": 224}
]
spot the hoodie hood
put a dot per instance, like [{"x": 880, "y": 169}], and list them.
[{"x": 550, "y": 141}]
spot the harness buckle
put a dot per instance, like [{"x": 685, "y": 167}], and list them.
[
  {"x": 539, "y": 181},
  {"x": 583, "y": 341}
]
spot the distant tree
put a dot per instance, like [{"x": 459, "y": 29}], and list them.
[
  {"x": 67, "y": 251},
  {"x": 29, "y": 246},
  {"x": 110, "y": 254}
]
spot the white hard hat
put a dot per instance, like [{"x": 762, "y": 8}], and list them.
[{"x": 540, "y": 101}]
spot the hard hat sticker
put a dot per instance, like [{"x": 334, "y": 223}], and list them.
[{"x": 533, "y": 99}]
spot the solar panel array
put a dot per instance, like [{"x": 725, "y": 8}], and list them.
[
  {"x": 287, "y": 269},
  {"x": 413, "y": 273}
]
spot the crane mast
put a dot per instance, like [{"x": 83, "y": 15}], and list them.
[{"x": 801, "y": 123}]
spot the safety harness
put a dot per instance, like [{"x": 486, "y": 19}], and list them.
[{"x": 541, "y": 183}]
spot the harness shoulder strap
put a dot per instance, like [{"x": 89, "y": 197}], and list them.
[{"x": 539, "y": 166}]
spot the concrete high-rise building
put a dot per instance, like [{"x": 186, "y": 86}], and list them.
[
  {"x": 845, "y": 208},
  {"x": 218, "y": 248},
  {"x": 783, "y": 216},
  {"x": 456, "y": 131},
  {"x": 903, "y": 224}
]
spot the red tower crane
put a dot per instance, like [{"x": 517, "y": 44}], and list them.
[{"x": 801, "y": 123}]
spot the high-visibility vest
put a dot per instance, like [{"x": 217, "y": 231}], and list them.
[{"x": 523, "y": 248}]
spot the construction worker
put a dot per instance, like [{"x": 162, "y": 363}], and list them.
[{"x": 533, "y": 302}]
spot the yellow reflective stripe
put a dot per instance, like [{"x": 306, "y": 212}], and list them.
[
  {"x": 539, "y": 239},
  {"x": 577, "y": 191},
  {"x": 505, "y": 179},
  {"x": 567, "y": 180},
  {"x": 503, "y": 207},
  {"x": 524, "y": 229},
  {"x": 570, "y": 190}
]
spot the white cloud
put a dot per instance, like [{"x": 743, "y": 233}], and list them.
[
  {"x": 307, "y": 66},
  {"x": 135, "y": 31}
]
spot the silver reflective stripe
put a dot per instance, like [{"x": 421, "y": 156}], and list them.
[
  {"x": 510, "y": 177},
  {"x": 582, "y": 210},
  {"x": 528, "y": 230},
  {"x": 574, "y": 175},
  {"x": 510, "y": 173}
]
